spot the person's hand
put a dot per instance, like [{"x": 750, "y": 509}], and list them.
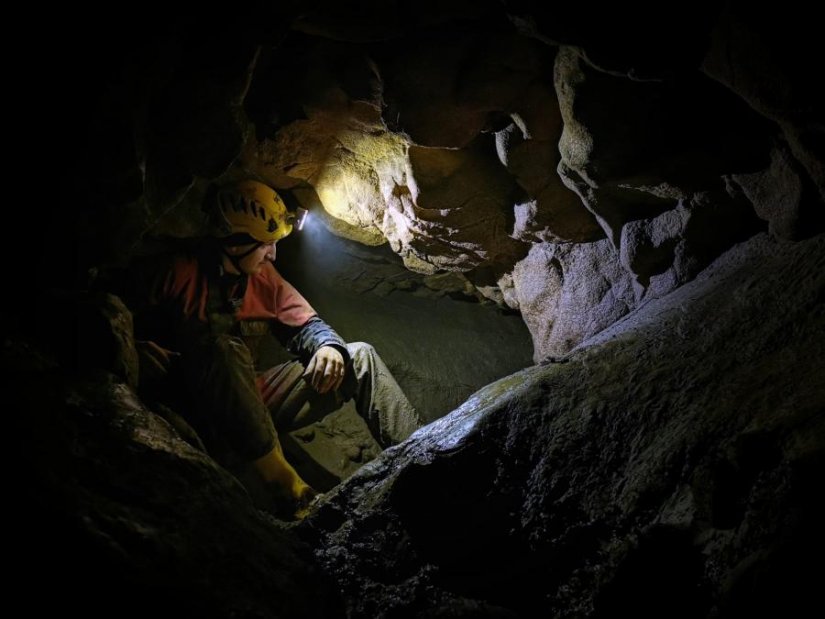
[
  {"x": 154, "y": 360},
  {"x": 325, "y": 371}
]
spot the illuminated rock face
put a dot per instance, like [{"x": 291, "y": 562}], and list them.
[{"x": 466, "y": 148}]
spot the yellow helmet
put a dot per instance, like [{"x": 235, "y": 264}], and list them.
[{"x": 252, "y": 208}]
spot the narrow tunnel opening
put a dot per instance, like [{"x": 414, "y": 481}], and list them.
[{"x": 441, "y": 341}]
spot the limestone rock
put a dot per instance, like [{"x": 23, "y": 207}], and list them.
[
  {"x": 669, "y": 467},
  {"x": 567, "y": 293}
]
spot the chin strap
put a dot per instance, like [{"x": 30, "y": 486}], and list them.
[
  {"x": 236, "y": 260},
  {"x": 226, "y": 292}
]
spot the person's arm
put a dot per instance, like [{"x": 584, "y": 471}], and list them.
[
  {"x": 321, "y": 350},
  {"x": 314, "y": 334}
]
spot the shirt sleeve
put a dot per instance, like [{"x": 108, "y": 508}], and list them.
[
  {"x": 270, "y": 297},
  {"x": 306, "y": 340},
  {"x": 296, "y": 324}
]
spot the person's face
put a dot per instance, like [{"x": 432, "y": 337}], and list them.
[{"x": 254, "y": 262}]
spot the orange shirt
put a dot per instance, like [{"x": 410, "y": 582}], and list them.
[{"x": 268, "y": 295}]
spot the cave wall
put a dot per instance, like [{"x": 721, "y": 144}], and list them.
[
  {"x": 471, "y": 139},
  {"x": 667, "y": 467},
  {"x": 610, "y": 180}
]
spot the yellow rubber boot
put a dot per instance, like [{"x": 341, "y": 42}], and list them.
[{"x": 274, "y": 469}]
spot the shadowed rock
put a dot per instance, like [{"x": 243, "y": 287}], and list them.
[
  {"x": 667, "y": 467},
  {"x": 118, "y": 512}
]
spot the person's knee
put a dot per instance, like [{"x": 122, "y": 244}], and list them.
[
  {"x": 361, "y": 353},
  {"x": 360, "y": 349}
]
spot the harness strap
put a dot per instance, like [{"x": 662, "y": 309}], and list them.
[{"x": 224, "y": 297}]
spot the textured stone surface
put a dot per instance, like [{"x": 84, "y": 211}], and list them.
[
  {"x": 567, "y": 293},
  {"x": 762, "y": 56},
  {"x": 668, "y": 467},
  {"x": 117, "y": 511},
  {"x": 632, "y": 168},
  {"x": 781, "y": 197}
]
